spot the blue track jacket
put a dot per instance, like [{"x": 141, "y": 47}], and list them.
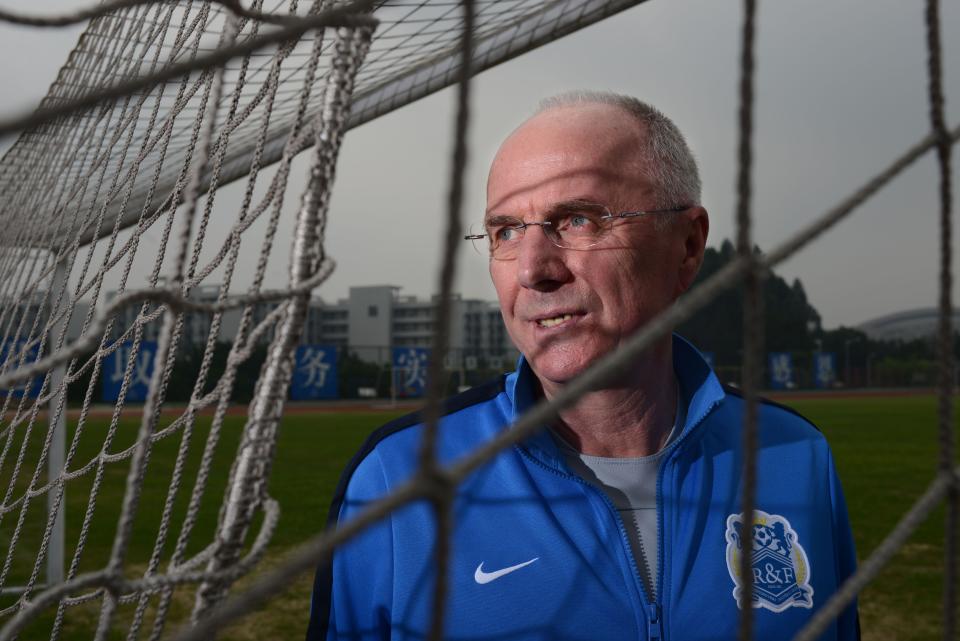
[{"x": 540, "y": 554}]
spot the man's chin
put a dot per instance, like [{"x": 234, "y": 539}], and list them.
[{"x": 555, "y": 374}]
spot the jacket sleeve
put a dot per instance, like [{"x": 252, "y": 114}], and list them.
[
  {"x": 848, "y": 623},
  {"x": 351, "y": 596}
]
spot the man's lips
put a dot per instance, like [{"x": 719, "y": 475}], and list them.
[
  {"x": 554, "y": 321},
  {"x": 556, "y": 318}
]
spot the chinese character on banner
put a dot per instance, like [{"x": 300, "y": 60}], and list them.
[
  {"x": 410, "y": 370},
  {"x": 824, "y": 369},
  {"x": 29, "y": 387},
  {"x": 115, "y": 365},
  {"x": 781, "y": 370},
  {"x": 709, "y": 357},
  {"x": 315, "y": 373}
]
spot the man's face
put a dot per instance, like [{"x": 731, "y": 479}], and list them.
[{"x": 565, "y": 308}]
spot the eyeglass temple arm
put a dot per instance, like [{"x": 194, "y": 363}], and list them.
[
  {"x": 520, "y": 225},
  {"x": 633, "y": 214}
]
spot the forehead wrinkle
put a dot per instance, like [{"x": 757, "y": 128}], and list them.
[
  {"x": 601, "y": 177},
  {"x": 611, "y": 165}
]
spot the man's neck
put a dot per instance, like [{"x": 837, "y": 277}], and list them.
[{"x": 630, "y": 420}]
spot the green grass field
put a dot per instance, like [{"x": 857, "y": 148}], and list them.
[
  {"x": 886, "y": 454},
  {"x": 885, "y": 450},
  {"x": 311, "y": 452}
]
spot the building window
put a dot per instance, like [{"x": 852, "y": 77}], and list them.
[{"x": 372, "y": 311}]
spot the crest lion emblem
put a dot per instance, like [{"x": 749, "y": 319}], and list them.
[{"x": 781, "y": 571}]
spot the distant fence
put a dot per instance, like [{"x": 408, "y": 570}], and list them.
[
  {"x": 321, "y": 371},
  {"x": 328, "y": 372}
]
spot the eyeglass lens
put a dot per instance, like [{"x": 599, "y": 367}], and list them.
[{"x": 571, "y": 227}]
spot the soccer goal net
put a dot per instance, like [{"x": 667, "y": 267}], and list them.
[
  {"x": 140, "y": 370},
  {"x": 118, "y": 280}
]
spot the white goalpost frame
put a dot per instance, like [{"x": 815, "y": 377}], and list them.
[
  {"x": 56, "y": 547},
  {"x": 338, "y": 99}
]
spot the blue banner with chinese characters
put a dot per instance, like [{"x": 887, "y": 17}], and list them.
[
  {"x": 18, "y": 359},
  {"x": 410, "y": 370},
  {"x": 115, "y": 365},
  {"x": 824, "y": 369},
  {"x": 781, "y": 370},
  {"x": 315, "y": 374}
]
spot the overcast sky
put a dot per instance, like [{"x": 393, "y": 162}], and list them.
[{"x": 841, "y": 91}]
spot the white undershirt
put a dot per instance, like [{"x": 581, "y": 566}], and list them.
[{"x": 631, "y": 485}]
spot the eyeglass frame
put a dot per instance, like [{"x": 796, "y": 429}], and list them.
[{"x": 523, "y": 224}]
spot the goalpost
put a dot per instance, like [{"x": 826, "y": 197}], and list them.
[{"x": 158, "y": 107}]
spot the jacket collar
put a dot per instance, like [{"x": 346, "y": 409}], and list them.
[{"x": 699, "y": 387}]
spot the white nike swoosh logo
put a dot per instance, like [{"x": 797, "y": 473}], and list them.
[{"x": 482, "y": 577}]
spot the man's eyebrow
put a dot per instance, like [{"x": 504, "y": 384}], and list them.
[
  {"x": 563, "y": 205},
  {"x": 574, "y": 203},
  {"x": 500, "y": 219}
]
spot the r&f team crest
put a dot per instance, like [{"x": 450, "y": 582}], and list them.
[{"x": 781, "y": 573}]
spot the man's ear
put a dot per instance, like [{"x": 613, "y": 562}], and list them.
[{"x": 693, "y": 229}]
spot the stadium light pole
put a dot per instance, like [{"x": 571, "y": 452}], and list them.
[
  {"x": 846, "y": 351},
  {"x": 813, "y": 328}
]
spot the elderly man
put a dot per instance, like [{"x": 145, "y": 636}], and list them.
[{"x": 621, "y": 519}]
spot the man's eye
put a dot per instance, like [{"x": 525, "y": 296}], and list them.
[
  {"x": 578, "y": 223},
  {"x": 504, "y": 233}
]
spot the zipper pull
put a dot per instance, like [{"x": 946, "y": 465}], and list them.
[{"x": 655, "y": 625}]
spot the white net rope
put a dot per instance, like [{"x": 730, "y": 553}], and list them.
[
  {"x": 411, "y": 56},
  {"x": 158, "y": 104},
  {"x": 76, "y": 178},
  {"x": 83, "y": 171}
]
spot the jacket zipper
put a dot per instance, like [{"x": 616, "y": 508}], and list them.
[
  {"x": 655, "y": 612},
  {"x": 655, "y": 624},
  {"x": 652, "y": 610}
]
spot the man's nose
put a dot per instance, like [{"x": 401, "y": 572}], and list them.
[{"x": 541, "y": 265}]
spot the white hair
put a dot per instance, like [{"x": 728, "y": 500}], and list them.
[{"x": 665, "y": 152}]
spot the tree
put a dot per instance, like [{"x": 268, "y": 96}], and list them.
[{"x": 790, "y": 321}]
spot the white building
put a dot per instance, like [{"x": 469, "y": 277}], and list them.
[
  {"x": 374, "y": 318},
  {"x": 906, "y": 325},
  {"x": 370, "y": 321}
]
